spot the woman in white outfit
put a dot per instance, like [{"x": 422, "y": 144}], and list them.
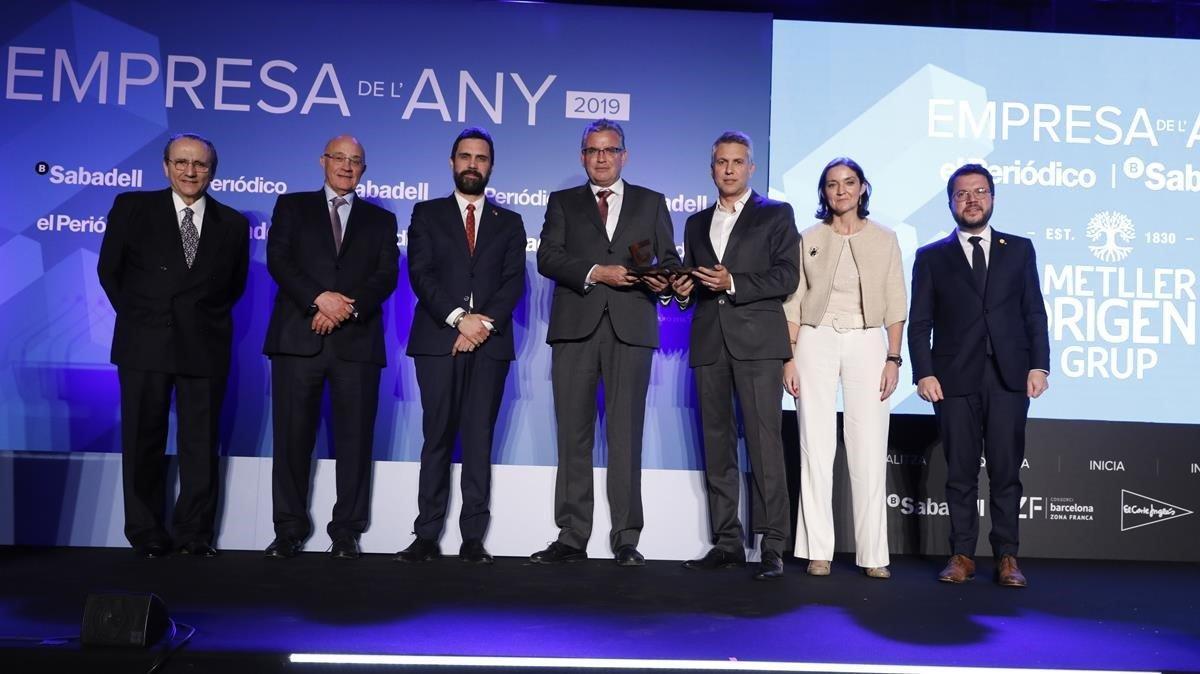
[{"x": 846, "y": 321}]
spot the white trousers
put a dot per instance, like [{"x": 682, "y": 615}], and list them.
[{"x": 856, "y": 358}]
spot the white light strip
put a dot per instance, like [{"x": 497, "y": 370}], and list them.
[{"x": 693, "y": 665}]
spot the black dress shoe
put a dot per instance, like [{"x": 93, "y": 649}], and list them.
[
  {"x": 284, "y": 547},
  {"x": 717, "y": 559},
  {"x": 152, "y": 550},
  {"x": 421, "y": 550},
  {"x": 557, "y": 553},
  {"x": 198, "y": 549},
  {"x": 771, "y": 566},
  {"x": 345, "y": 548},
  {"x": 473, "y": 552},
  {"x": 627, "y": 555}
]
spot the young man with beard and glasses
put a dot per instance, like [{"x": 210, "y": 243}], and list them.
[
  {"x": 335, "y": 259},
  {"x": 977, "y": 294},
  {"x": 466, "y": 262}
]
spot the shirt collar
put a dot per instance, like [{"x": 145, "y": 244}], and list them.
[
  {"x": 330, "y": 195},
  {"x": 739, "y": 204},
  {"x": 964, "y": 238},
  {"x": 617, "y": 188},
  {"x": 197, "y": 207},
  {"x": 463, "y": 201}
]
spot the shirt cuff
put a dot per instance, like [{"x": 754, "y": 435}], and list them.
[
  {"x": 732, "y": 289},
  {"x": 458, "y": 311}
]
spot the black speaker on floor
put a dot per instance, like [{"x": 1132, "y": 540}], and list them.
[{"x": 123, "y": 619}]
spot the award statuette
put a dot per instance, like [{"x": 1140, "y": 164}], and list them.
[{"x": 643, "y": 256}]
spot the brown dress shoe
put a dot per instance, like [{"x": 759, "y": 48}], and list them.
[
  {"x": 959, "y": 569},
  {"x": 1008, "y": 574}
]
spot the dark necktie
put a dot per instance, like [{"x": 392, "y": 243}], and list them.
[
  {"x": 471, "y": 229},
  {"x": 602, "y": 203},
  {"x": 978, "y": 263},
  {"x": 191, "y": 237},
  {"x": 335, "y": 219}
]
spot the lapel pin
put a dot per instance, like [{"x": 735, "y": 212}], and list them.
[
  {"x": 1002, "y": 242},
  {"x": 495, "y": 212},
  {"x": 812, "y": 252}
]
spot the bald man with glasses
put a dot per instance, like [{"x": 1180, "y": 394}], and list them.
[{"x": 335, "y": 259}]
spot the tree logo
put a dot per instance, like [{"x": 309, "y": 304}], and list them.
[{"x": 1109, "y": 229}]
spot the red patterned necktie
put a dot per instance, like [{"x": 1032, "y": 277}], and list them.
[
  {"x": 602, "y": 204},
  {"x": 471, "y": 229}
]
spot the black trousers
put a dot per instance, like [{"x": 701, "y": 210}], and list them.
[
  {"x": 576, "y": 371},
  {"x": 460, "y": 399},
  {"x": 757, "y": 385},
  {"x": 297, "y": 384},
  {"x": 989, "y": 423},
  {"x": 145, "y": 409}
]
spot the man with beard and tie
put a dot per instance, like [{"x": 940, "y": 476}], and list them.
[
  {"x": 976, "y": 294},
  {"x": 603, "y": 326},
  {"x": 746, "y": 252},
  {"x": 173, "y": 263},
  {"x": 466, "y": 263},
  {"x": 335, "y": 259}
]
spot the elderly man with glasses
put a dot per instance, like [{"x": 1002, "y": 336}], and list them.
[
  {"x": 173, "y": 263},
  {"x": 335, "y": 259}
]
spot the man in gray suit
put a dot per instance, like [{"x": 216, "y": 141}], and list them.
[
  {"x": 603, "y": 326},
  {"x": 745, "y": 249}
]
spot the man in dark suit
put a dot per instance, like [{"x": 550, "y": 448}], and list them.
[
  {"x": 603, "y": 326},
  {"x": 466, "y": 262},
  {"x": 173, "y": 263},
  {"x": 745, "y": 249},
  {"x": 335, "y": 259},
  {"x": 977, "y": 293}
]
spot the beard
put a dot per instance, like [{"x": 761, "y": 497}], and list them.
[
  {"x": 471, "y": 182},
  {"x": 964, "y": 223}
]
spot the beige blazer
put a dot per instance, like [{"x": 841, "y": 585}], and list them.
[{"x": 877, "y": 254}]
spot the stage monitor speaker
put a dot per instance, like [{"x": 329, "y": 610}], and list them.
[{"x": 123, "y": 619}]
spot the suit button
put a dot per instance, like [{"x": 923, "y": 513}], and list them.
[
  {"x": 721, "y": 301},
  {"x": 471, "y": 275},
  {"x": 610, "y": 251},
  {"x": 168, "y": 324},
  {"x": 162, "y": 268},
  {"x": 467, "y": 298}
]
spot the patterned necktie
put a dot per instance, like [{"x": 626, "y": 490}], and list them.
[
  {"x": 335, "y": 219},
  {"x": 471, "y": 229},
  {"x": 190, "y": 236},
  {"x": 602, "y": 203},
  {"x": 978, "y": 263}
]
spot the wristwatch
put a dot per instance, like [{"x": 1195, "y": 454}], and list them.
[
  {"x": 458, "y": 319},
  {"x": 894, "y": 358}
]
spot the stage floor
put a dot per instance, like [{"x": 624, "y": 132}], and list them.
[{"x": 252, "y": 613}]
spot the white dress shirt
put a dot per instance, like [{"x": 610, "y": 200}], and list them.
[
  {"x": 723, "y": 222},
  {"x": 614, "y": 214},
  {"x": 343, "y": 210},
  {"x": 463, "y": 201},
  {"x": 197, "y": 211}
]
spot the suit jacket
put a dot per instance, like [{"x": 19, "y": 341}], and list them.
[
  {"x": 947, "y": 303},
  {"x": 763, "y": 255},
  {"x": 574, "y": 239},
  {"x": 445, "y": 276},
  {"x": 171, "y": 318},
  {"x": 302, "y": 259}
]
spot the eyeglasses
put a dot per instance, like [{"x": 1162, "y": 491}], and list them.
[
  {"x": 980, "y": 193},
  {"x": 610, "y": 152},
  {"x": 343, "y": 159},
  {"x": 182, "y": 165}
]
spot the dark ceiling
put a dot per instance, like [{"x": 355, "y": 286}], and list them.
[{"x": 1157, "y": 18}]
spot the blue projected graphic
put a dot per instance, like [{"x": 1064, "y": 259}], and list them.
[{"x": 1092, "y": 154}]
